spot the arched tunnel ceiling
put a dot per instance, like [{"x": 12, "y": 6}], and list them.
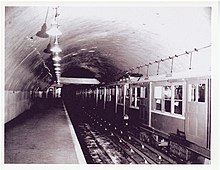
[{"x": 99, "y": 42}]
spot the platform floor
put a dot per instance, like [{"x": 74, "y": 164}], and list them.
[{"x": 42, "y": 135}]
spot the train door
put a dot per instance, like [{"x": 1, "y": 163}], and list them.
[
  {"x": 126, "y": 100},
  {"x": 197, "y": 111},
  {"x": 144, "y": 104}
]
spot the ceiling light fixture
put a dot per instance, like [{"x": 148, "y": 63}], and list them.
[
  {"x": 42, "y": 33},
  {"x": 57, "y": 64},
  {"x": 54, "y": 31},
  {"x": 57, "y": 68},
  {"x": 48, "y": 49},
  {"x": 91, "y": 51},
  {"x": 56, "y": 48},
  {"x": 74, "y": 54},
  {"x": 56, "y": 57}
]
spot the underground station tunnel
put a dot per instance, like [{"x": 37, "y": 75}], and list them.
[{"x": 107, "y": 85}]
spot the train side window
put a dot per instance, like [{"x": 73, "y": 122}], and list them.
[
  {"x": 127, "y": 95},
  {"x": 167, "y": 97},
  {"x": 138, "y": 96},
  {"x": 133, "y": 96},
  {"x": 108, "y": 94},
  {"x": 178, "y": 90},
  {"x": 146, "y": 93},
  {"x": 113, "y": 91},
  {"x": 192, "y": 93},
  {"x": 136, "y": 93},
  {"x": 142, "y": 92},
  {"x": 100, "y": 94},
  {"x": 201, "y": 93},
  {"x": 121, "y": 94},
  {"x": 158, "y": 97}
]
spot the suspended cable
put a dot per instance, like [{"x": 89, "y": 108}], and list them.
[
  {"x": 171, "y": 70},
  {"x": 190, "y": 63},
  {"x": 148, "y": 69},
  {"x": 47, "y": 14},
  {"x": 168, "y": 58},
  {"x": 158, "y": 66}
]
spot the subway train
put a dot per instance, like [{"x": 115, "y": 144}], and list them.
[{"x": 171, "y": 112}]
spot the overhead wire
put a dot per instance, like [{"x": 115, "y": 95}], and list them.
[{"x": 162, "y": 60}]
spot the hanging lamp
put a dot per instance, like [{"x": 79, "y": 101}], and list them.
[
  {"x": 42, "y": 33},
  {"x": 56, "y": 48},
  {"x": 48, "y": 49},
  {"x": 56, "y": 57},
  {"x": 54, "y": 31}
]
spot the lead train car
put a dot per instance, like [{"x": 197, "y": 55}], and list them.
[{"x": 171, "y": 111}]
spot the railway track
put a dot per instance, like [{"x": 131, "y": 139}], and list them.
[
  {"x": 107, "y": 144},
  {"x": 102, "y": 149}
]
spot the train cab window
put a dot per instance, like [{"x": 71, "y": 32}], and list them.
[
  {"x": 167, "y": 97},
  {"x": 158, "y": 97},
  {"x": 201, "y": 93},
  {"x": 178, "y": 91}
]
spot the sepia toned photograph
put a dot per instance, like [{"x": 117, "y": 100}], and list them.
[{"x": 98, "y": 84}]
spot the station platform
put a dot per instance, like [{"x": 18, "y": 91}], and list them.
[{"x": 42, "y": 135}]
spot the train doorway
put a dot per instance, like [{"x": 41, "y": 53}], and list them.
[{"x": 197, "y": 111}]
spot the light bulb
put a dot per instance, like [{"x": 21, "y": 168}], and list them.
[
  {"x": 56, "y": 64},
  {"x": 56, "y": 48},
  {"x": 54, "y": 31},
  {"x": 56, "y": 57},
  {"x": 57, "y": 68}
]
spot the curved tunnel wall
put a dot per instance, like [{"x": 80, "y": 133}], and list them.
[{"x": 16, "y": 102}]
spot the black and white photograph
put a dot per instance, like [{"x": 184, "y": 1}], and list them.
[{"x": 109, "y": 83}]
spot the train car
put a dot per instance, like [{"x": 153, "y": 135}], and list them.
[{"x": 171, "y": 112}]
